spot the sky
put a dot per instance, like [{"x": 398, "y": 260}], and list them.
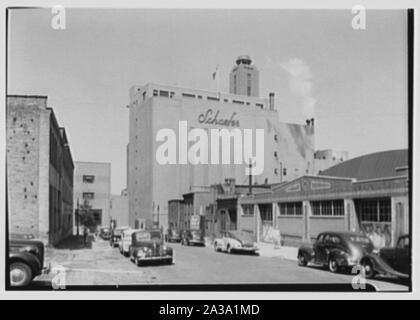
[{"x": 353, "y": 82}]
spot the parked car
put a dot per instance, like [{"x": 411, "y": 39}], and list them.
[
  {"x": 236, "y": 241},
  {"x": 125, "y": 242},
  {"x": 105, "y": 233},
  {"x": 193, "y": 237},
  {"x": 26, "y": 259},
  {"x": 147, "y": 245},
  {"x": 394, "y": 261},
  {"x": 173, "y": 235},
  {"x": 337, "y": 250},
  {"x": 116, "y": 235}
]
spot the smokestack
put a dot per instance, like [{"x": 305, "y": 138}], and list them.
[{"x": 271, "y": 101}]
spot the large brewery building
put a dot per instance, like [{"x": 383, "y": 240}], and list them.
[{"x": 288, "y": 148}]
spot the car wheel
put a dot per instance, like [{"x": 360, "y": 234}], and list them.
[
  {"x": 302, "y": 260},
  {"x": 216, "y": 247},
  {"x": 369, "y": 270},
  {"x": 333, "y": 265},
  {"x": 170, "y": 261},
  {"x": 228, "y": 249},
  {"x": 20, "y": 274}
]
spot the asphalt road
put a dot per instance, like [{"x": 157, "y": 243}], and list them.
[{"x": 99, "y": 264}]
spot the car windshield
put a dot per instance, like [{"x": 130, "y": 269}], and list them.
[
  {"x": 241, "y": 236},
  {"x": 360, "y": 239},
  {"x": 147, "y": 235}
]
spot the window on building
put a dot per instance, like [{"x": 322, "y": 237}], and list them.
[
  {"x": 238, "y": 101},
  {"x": 373, "y": 210},
  {"x": 88, "y": 179},
  {"x": 260, "y": 105},
  {"x": 188, "y": 95},
  {"x": 248, "y": 209},
  {"x": 164, "y": 93},
  {"x": 266, "y": 212},
  {"x": 328, "y": 208},
  {"x": 213, "y": 98},
  {"x": 88, "y": 195},
  {"x": 290, "y": 208}
]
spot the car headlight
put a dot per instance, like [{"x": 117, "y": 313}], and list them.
[{"x": 140, "y": 253}]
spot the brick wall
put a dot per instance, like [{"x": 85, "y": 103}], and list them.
[{"x": 23, "y": 134}]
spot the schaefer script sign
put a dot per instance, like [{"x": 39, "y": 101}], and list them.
[{"x": 209, "y": 118}]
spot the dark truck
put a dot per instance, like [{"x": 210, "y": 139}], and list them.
[
  {"x": 26, "y": 259},
  {"x": 389, "y": 261}
]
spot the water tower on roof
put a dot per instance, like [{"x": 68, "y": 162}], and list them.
[{"x": 244, "y": 78}]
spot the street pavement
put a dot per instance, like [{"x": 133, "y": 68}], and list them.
[{"x": 99, "y": 264}]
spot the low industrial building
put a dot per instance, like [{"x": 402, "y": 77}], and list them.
[
  {"x": 39, "y": 170},
  {"x": 367, "y": 194},
  {"x": 118, "y": 209},
  {"x": 92, "y": 193}
]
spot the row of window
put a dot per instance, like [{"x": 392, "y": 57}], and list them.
[
  {"x": 367, "y": 210},
  {"x": 326, "y": 208},
  {"x": 171, "y": 94}
]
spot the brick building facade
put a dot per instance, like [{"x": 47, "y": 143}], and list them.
[{"x": 39, "y": 170}]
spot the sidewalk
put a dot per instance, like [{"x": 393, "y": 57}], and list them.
[{"x": 268, "y": 250}]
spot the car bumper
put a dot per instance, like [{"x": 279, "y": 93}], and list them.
[
  {"x": 144, "y": 258},
  {"x": 246, "y": 249},
  {"x": 46, "y": 269}
]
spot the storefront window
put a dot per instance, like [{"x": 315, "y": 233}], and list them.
[
  {"x": 328, "y": 208},
  {"x": 290, "y": 208}
]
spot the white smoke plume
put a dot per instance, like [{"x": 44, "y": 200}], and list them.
[{"x": 300, "y": 82}]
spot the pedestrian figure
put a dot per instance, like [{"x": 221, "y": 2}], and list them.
[{"x": 85, "y": 235}]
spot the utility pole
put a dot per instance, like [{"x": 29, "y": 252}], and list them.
[
  {"x": 250, "y": 177},
  {"x": 77, "y": 216}
]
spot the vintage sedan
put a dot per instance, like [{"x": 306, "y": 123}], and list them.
[
  {"x": 236, "y": 241},
  {"x": 105, "y": 233},
  {"x": 337, "y": 250},
  {"x": 193, "y": 237},
  {"x": 148, "y": 245},
  {"x": 173, "y": 235},
  {"x": 389, "y": 261},
  {"x": 26, "y": 259},
  {"x": 116, "y": 236},
  {"x": 125, "y": 242}
]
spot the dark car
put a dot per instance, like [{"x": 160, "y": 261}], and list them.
[
  {"x": 173, "y": 235},
  {"x": 148, "y": 245},
  {"x": 116, "y": 235},
  {"x": 26, "y": 259},
  {"x": 337, "y": 250},
  {"x": 193, "y": 237},
  {"x": 105, "y": 233},
  {"x": 393, "y": 261}
]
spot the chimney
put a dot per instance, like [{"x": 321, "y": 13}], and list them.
[{"x": 271, "y": 101}]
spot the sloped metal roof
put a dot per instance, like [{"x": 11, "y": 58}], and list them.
[{"x": 371, "y": 166}]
